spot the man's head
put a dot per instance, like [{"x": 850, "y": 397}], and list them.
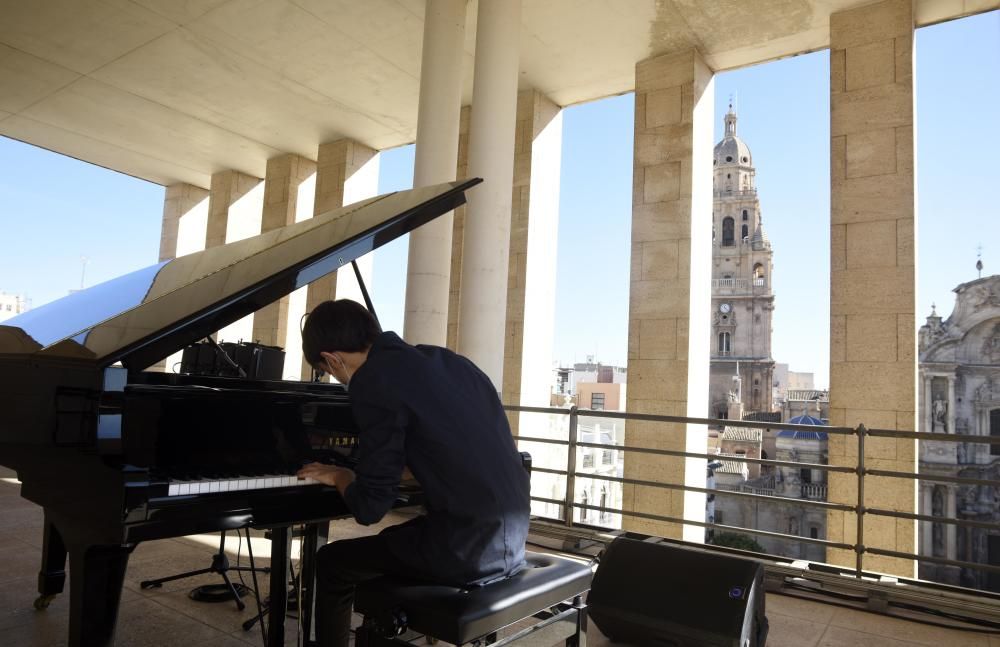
[{"x": 336, "y": 337}]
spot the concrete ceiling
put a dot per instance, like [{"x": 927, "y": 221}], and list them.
[{"x": 174, "y": 90}]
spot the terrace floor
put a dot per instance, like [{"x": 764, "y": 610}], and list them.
[{"x": 163, "y": 617}]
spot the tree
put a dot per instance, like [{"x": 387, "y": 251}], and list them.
[{"x": 736, "y": 540}]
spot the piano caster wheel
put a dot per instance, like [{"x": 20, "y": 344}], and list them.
[
  {"x": 430, "y": 640},
  {"x": 42, "y": 602}
]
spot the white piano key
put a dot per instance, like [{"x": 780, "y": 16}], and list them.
[{"x": 173, "y": 489}]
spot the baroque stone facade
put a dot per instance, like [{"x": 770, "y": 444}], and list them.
[
  {"x": 960, "y": 394},
  {"x": 742, "y": 300}
]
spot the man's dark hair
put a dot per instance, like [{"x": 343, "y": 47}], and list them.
[{"x": 341, "y": 325}]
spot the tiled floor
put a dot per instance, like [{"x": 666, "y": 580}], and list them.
[{"x": 166, "y": 617}]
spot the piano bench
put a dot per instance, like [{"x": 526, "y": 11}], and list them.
[{"x": 549, "y": 589}]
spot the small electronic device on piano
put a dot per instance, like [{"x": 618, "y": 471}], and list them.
[{"x": 117, "y": 454}]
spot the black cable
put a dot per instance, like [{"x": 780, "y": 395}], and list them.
[{"x": 253, "y": 572}]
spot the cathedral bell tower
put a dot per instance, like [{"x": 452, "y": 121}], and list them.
[{"x": 742, "y": 300}]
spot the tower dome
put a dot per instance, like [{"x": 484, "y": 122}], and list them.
[{"x": 732, "y": 151}]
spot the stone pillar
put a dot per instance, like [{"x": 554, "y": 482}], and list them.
[
  {"x": 534, "y": 232},
  {"x": 283, "y": 205},
  {"x": 458, "y": 233},
  {"x": 925, "y": 404},
  {"x": 483, "y": 299},
  {"x": 182, "y": 203},
  {"x": 179, "y": 201},
  {"x": 427, "y": 275},
  {"x": 346, "y": 172},
  {"x": 235, "y": 205},
  {"x": 926, "y": 527},
  {"x": 950, "y": 529},
  {"x": 873, "y": 378},
  {"x": 950, "y": 418},
  {"x": 669, "y": 300}
]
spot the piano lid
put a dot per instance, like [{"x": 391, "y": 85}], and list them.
[{"x": 142, "y": 317}]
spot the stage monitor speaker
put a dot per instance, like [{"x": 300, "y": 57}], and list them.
[{"x": 661, "y": 594}]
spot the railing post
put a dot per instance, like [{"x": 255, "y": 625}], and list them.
[
  {"x": 571, "y": 467},
  {"x": 859, "y": 542}
]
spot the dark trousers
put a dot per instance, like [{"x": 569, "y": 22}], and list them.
[{"x": 340, "y": 566}]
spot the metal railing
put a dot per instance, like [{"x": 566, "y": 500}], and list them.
[{"x": 813, "y": 494}]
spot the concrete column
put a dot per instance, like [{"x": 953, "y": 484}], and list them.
[
  {"x": 491, "y": 156},
  {"x": 182, "y": 205},
  {"x": 235, "y": 205},
  {"x": 458, "y": 233},
  {"x": 425, "y": 318},
  {"x": 531, "y": 275},
  {"x": 283, "y": 205},
  {"x": 873, "y": 372},
  {"x": 668, "y": 350},
  {"x": 346, "y": 172}
]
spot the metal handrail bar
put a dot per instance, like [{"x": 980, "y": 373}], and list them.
[
  {"x": 651, "y": 417},
  {"x": 964, "y": 523},
  {"x": 859, "y": 509},
  {"x": 702, "y": 524},
  {"x": 990, "y": 568},
  {"x": 921, "y": 476},
  {"x": 939, "y": 437},
  {"x": 728, "y": 457},
  {"x": 691, "y": 488},
  {"x": 671, "y": 452}
]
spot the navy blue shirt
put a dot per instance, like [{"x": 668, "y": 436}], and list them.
[{"x": 429, "y": 409}]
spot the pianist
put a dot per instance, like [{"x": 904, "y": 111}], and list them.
[{"x": 429, "y": 410}]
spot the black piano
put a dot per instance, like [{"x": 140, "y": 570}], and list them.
[{"x": 116, "y": 454}]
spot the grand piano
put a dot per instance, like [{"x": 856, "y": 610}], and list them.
[{"x": 117, "y": 454}]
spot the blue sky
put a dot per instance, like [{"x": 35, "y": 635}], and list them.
[{"x": 56, "y": 210}]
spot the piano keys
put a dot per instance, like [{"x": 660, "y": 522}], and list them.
[{"x": 117, "y": 455}]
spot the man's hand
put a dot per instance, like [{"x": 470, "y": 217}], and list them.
[{"x": 339, "y": 477}]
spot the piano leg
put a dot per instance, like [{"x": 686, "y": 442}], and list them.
[
  {"x": 281, "y": 555},
  {"x": 96, "y": 577},
  {"x": 52, "y": 575},
  {"x": 316, "y": 535}
]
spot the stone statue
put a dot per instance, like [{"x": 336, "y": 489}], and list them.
[{"x": 939, "y": 413}]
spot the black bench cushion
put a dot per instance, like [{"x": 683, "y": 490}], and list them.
[{"x": 459, "y": 615}]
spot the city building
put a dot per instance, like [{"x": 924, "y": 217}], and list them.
[
  {"x": 788, "y": 482},
  {"x": 742, "y": 300},
  {"x": 12, "y": 305},
  {"x": 959, "y": 363}
]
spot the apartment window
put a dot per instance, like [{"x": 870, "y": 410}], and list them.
[
  {"x": 718, "y": 516},
  {"x": 744, "y": 214},
  {"x": 724, "y": 343},
  {"x": 806, "y": 476},
  {"x": 588, "y": 460},
  {"x": 745, "y": 232},
  {"x": 605, "y": 514},
  {"x": 585, "y": 512},
  {"x": 995, "y": 431},
  {"x": 728, "y": 226},
  {"x": 813, "y": 532},
  {"x": 606, "y": 457},
  {"x": 597, "y": 401}
]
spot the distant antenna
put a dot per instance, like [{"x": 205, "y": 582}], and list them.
[
  {"x": 979, "y": 260},
  {"x": 83, "y": 271}
]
